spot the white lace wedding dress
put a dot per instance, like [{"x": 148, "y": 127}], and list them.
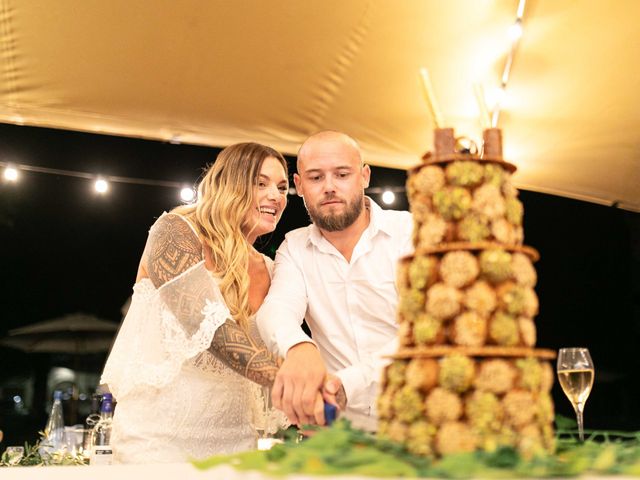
[{"x": 175, "y": 400}]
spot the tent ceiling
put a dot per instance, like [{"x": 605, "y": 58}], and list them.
[{"x": 216, "y": 72}]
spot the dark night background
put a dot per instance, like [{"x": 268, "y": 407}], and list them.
[{"x": 65, "y": 249}]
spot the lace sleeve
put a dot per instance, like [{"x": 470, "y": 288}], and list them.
[
  {"x": 192, "y": 307},
  {"x": 184, "y": 315},
  {"x": 173, "y": 316},
  {"x": 194, "y": 311},
  {"x": 266, "y": 418}
]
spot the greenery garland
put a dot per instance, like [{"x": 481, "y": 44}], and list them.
[
  {"x": 40, "y": 454},
  {"x": 342, "y": 450}
]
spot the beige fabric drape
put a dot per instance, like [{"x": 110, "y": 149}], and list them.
[{"x": 215, "y": 72}]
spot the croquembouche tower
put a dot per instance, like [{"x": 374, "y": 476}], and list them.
[{"x": 467, "y": 375}]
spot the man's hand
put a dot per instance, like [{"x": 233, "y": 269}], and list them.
[
  {"x": 296, "y": 390},
  {"x": 333, "y": 392}
]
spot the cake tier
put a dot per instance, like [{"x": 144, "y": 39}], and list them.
[
  {"x": 532, "y": 253},
  {"x": 443, "y": 160},
  {"x": 443, "y": 350},
  {"x": 460, "y": 403},
  {"x": 464, "y": 198},
  {"x": 467, "y": 297}
]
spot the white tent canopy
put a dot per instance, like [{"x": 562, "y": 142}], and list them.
[{"x": 215, "y": 72}]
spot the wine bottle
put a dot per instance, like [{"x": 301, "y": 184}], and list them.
[{"x": 101, "y": 451}]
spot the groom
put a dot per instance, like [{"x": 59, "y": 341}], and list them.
[{"x": 339, "y": 274}]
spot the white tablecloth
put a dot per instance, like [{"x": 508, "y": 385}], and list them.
[
  {"x": 160, "y": 471},
  {"x": 176, "y": 471}
]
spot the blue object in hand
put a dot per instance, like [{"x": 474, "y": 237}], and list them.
[{"x": 330, "y": 413}]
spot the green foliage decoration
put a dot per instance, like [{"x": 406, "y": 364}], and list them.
[{"x": 343, "y": 450}]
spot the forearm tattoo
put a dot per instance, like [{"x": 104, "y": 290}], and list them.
[{"x": 237, "y": 350}]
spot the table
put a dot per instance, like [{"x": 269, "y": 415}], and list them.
[{"x": 182, "y": 471}]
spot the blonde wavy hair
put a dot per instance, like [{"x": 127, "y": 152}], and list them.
[{"x": 226, "y": 195}]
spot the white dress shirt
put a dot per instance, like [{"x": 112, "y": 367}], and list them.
[{"x": 350, "y": 307}]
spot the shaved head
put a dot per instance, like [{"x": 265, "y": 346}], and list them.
[{"x": 324, "y": 138}]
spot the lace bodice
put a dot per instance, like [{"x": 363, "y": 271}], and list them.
[{"x": 175, "y": 399}]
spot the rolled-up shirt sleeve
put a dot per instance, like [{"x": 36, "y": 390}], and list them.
[
  {"x": 280, "y": 317},
  {"x": 361, "y": 380}
]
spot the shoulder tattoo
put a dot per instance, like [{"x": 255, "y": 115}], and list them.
[{"x": 172, "y": 248}]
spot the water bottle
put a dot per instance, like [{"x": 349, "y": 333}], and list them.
[
  {"x": 54, "y": 430},
  {"x": 90, "y": 422},
  {"x": 101, "y": 451}
]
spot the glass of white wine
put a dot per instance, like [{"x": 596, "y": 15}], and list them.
[{"x": 575, "y": 372}]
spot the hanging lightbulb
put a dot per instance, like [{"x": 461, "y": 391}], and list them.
[
  {"x": 515, "y": 31},
  {"x": 101, "y": 185},
  {"x": 187, "y": 194},
  {"x": 10, "y": 174},
  {"x": 388, "y": 197},
  {"x": 496, "y": 97}
]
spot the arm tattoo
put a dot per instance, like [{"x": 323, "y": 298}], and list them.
[
  {"x": 238, "y": 350},
  {"x": 172, "y": 248}
]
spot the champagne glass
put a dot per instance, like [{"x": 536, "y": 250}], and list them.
[{"x": 575, "y": 372}]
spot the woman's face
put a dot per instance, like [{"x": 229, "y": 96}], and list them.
[{"x": 271, "y": 198}]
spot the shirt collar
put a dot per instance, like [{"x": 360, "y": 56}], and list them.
[
  {"x": 378, "y": 220},
  {"x": 376, "y": 223}
]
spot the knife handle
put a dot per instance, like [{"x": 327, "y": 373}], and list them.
[{"x": 330, "y": 413}]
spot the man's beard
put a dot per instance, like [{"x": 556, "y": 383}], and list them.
[{"x": 332, "y": 222}]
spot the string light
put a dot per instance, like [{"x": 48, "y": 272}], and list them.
[
  {"x": 187, "y": 194},
  {"x": 388, "y": 197},
  {"x": 498, "y": 96},
  {"x": 10, "y": 174},
  {"x": 101, "y": 185},
  {"x": 515, "y": 33}
]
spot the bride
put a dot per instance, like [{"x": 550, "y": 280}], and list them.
[{"x": 181, "y": 363}]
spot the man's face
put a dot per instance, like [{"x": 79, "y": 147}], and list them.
[{"x": 332, "y": 181}]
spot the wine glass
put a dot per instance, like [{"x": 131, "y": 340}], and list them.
[
  {"x": 267, "y": 423},
  {"x": 575, "y": 372}
]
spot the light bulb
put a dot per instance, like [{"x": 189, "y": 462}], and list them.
[
  {"x": 496, "y": 97},
  {"x": 101, "y": 185},
  {"x": 187, "y": 194},
  {"x": 515, "y": 31},
  {"x": 388, "y": 197},
  {"x": 10, "y": 174}
]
